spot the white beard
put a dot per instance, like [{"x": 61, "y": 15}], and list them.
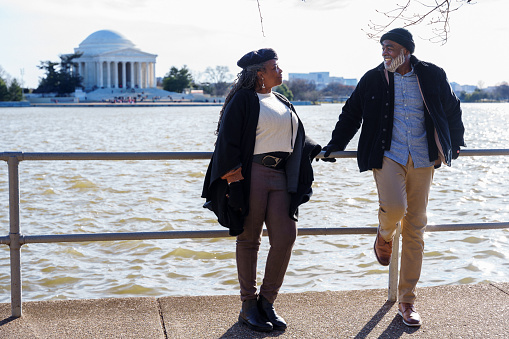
[{"x": 395, "y": 63}]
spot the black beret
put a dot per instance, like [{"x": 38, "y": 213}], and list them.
[
  {"x": 257, "y": 57},
  {"x": 402, "y": 37}
]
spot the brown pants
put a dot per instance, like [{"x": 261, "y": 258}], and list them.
[
  {"x": 403, "y": 196},
  {"x": 269, "y": 202}
]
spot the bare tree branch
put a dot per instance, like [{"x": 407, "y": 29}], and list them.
[
  {"x": 261, "y": 18},
  {"x": 415, "y": 12}
]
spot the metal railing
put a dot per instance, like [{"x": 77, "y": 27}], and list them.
[{"x": 15, "y": 239}]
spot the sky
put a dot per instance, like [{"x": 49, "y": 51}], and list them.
[{"x": 309, "y": 36}]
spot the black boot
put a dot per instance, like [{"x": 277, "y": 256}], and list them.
[
  {"x": 250, "y": 316},
  {"x": 267, "y": 309}
]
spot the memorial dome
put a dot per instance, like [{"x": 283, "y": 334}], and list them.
[{"x": 104, "y": 41}]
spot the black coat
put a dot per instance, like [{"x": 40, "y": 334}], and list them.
[
  {"x": 235, "y": 147},
  {"x": 372, "y": 105}
]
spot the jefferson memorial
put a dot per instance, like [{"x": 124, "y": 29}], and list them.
[{"x": 109, "y": 60}]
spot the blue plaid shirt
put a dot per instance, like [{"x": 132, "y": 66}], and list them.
[{"x": 409, "y": 131}]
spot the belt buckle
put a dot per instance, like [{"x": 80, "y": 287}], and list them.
[{"x": 271, "y": 158}]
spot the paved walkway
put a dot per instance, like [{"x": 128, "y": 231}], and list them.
[{"x": 458, "y": 311}]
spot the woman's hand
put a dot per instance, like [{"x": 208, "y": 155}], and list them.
[{"x": 236, "y": 196}]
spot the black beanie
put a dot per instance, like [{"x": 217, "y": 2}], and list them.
[
  {"x": 257, "y": 57},
  {"x": 402, "y": 37}
]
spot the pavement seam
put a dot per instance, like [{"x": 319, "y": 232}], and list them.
[
  {"x": 161, "y": 318},
  {"x": 498, "y": 288}
]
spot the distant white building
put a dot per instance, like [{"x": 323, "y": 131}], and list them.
[
  {"x": 321, "y": 79},
  {"x": 109, "y": 60},
  {"x": 457, "y": 88}
]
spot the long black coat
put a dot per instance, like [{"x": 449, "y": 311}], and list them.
[
  {"x": 372, "y": 105},
  {"x": 235, "y": 146}
]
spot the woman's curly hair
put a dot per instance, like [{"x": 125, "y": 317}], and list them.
[{"x": 247, "y": 78}]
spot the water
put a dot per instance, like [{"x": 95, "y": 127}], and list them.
[{"x": 63, "y": 197}]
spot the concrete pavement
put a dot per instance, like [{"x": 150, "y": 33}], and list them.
[{"x": 455, "y": 311}]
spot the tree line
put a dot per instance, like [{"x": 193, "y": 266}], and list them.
[
  {"x": 499, "y": 93},
  {"x": 59, "y": 77},
  {"x": 214, "y": 81},
  {"x": 217, "y": 82},
  {"x": 10, "y": 90}
]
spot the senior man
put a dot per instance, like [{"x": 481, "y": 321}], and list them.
[{"x": 411, "y": 123}]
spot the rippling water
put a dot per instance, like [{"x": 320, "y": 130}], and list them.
[{"x": 63, "y": 197}]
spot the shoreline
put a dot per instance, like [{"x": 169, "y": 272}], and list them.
[
  {"x": 109, "y": 104},
  {"x": 126, "y": 104}
]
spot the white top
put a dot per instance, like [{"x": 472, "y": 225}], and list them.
[{"x": 277, "y": 126}]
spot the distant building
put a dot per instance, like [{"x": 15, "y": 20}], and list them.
[
  {"x": 321, "y": 79},
  {"x": 457, "y": 88},
  {"x": 110, "y": 60}
]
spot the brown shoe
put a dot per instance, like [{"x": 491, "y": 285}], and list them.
[
  {"x": 409, "y": 314},
  {"x": 383, "y": 249}
]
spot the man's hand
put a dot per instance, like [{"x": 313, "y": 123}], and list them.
[{"x": 328, "y": 150}]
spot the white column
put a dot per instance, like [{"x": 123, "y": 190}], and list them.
[
  {"x": 101, "y": 74},
  {"x": 154, "y": 81},
  {"x": 115, "y": 73},
  {"x": 88, "y": 69},
  {"x": 108, "y": 72},
  {"x": 82, "y": 74},
  {"x": 147, "y": 73},
  {"x": 142, "y": 75},
  {"x": 123, "y": 75},
  {"x": 138, "y": 80},
  {"x": 96, "y": 80},
  {"x": 132, "y": 74}
]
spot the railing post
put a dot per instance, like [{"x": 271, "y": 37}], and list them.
[
  {"x": 394, "y": 267},
  {"x": 14, "y": 235}
]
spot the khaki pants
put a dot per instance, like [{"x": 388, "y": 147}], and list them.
[
  {"x": 269, "y": 202},
  {"x": 403, "y": 196}
]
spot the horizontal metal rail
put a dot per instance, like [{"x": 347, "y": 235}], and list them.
[
  {"x": 184, "y": 155},
  {"x": 107, "y": 156},
  {"x": 52, "y": 238},
  {"x": 15, "y": 239}
]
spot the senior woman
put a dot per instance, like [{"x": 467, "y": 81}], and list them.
[{"x": 260, "y": 172}]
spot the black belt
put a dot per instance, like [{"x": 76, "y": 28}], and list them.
[{"x": 276, "y": 160}]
